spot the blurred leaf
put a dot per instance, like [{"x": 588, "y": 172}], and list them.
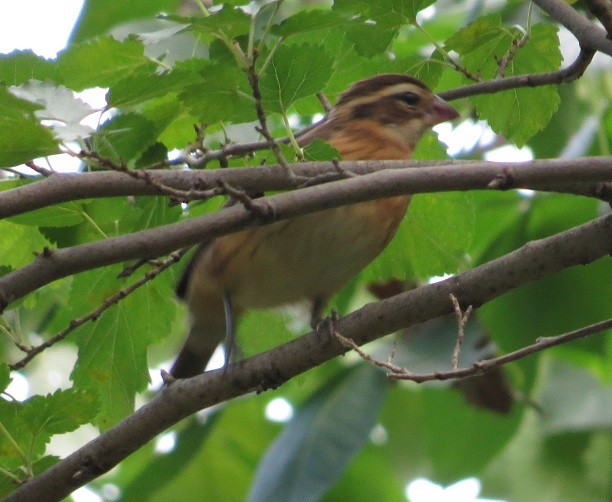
[
  {"x": 224, "y": 465},
  {"x": 259, "y": 331},
  {"x": 5, "y": 376},
  {"x": 161, "y": 469},
  {"x": 564, "y": 467},
  {"x": 295, "y": 72},
  {"x": 453, "y": 454},
  {"x": 369, "y": 477},
  {"x": 98, "y": 16},
  {"x": 325, "y": 434},
  {"x": 591, "y": 399}
]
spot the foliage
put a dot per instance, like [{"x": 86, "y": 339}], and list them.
[{"x": 184, "y": 71}]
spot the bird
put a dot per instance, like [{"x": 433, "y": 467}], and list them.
[{"x": 310, "y": 257}]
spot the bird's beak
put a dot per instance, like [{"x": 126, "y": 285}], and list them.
[{"x": 440, "y": 111}]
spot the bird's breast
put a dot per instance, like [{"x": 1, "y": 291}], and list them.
[{"x": 308, "y": 257}]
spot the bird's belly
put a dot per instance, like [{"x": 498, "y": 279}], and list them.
[{"x": 308, "y": 257}]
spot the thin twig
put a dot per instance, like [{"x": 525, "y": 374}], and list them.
[
  {"x": 177, "y": 195},
  {"x": 324, "y": 102},
  {"x": 399, "y": 373},
  {"x": 461, "y": 69},
  {"x": 43, "y": 171},
  {"x": 462, "y": 318},
  {"x": 263, "y": 210},
  {"x": 261, "y": 116},
  {"x": 94, "y": 314},
  {"x": 503, "y": 63}
]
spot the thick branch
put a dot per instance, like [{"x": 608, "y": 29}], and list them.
[
  {"x": 52, "y": 265},
  {"x": 602, "y": 10},
  {"x": 579, "y": 245},
  {"x": 74, "y": 186},
  {"x": 588, "y": 34}
]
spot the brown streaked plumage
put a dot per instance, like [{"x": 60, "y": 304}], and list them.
[{"x": 311, "y": 257}]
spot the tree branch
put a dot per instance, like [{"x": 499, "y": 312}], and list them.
[
  {"x": 588, "y": 34},
  {"x": 579, "y": 245},
  {"x": 400, "y": 373},
  {"x": 67, "y": 187},
  {"x": 146, "y": 244},
  {"x": 564, "y": 75},
  {"x": 32, "y": 352},
  {"x": 602, "y": 10}
]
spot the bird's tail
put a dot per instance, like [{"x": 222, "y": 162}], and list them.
[{"x": 206, "y": 332}]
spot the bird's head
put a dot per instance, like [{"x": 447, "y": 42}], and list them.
[{"x": 402, "y": 105}]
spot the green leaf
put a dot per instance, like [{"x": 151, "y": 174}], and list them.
[
  {"x": 396, "y": 12},
  {"x": 441, "y": 227},
  {"x": 221, "y": 94},
  {"x": 124, "y": 137},
  {"x": 374, "y": 25},
  {"x": 314, "y": 449},
  {"x": 565, "y": 467},
  {"x": 309, "y": 21},
  {"x": 102, "y": 62},
  {"x": 143, "y": 85},
  {"x": 58, "y": 215},
  {"x": 358, "y": 483},
  {"x": 161, "y": 470},
  {"x": 18, "y": 67},
  {"x": 32, "y": 422},
  {"x": 22, "y": 138},
  {"x": 370, "y": 39},
  {"x": 262, "y": 330},
  {"x": 517, "y": 113},
  {"x": 5, "y": 376},
  {"x": 99, "y": 16},
  {"x": 19, "y": 244},
  {"x": 293, "y": 73},
  {"x": 427, "y": 70},
  {"x": 432, "y": 239},
  {"x": 591, "y": 399},
  {"x": 321, "y": 150},
  {"x": 112, "y": 351},
  {"x": 229, "y": 22}
]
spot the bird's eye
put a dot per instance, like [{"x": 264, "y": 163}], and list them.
[{"x": 408, "y": 97}]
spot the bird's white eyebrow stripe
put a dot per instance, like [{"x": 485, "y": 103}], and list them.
[{"x": 387, "y": 91}]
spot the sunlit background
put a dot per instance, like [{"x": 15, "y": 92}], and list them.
[{"x": 44, "y": 27}]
